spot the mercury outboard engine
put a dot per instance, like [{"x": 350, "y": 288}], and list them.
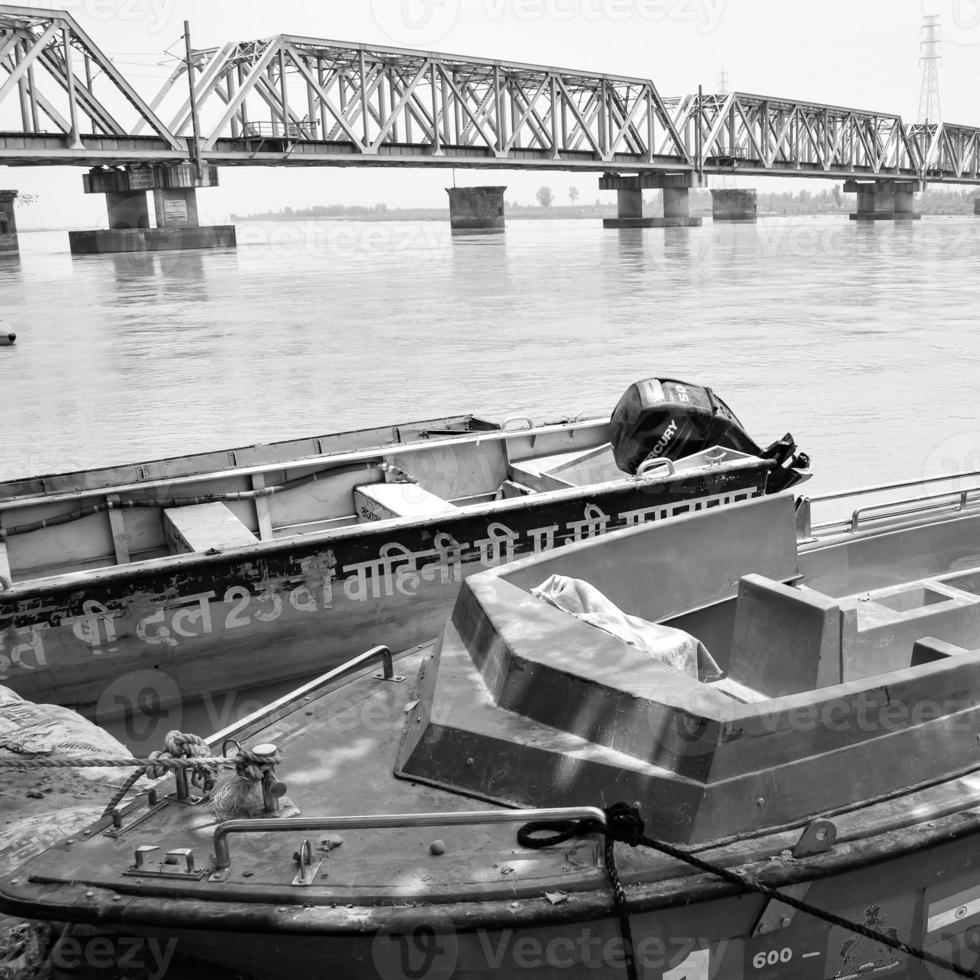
[{"x": 664, "y": 417}]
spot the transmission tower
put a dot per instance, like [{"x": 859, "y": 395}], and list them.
[{"x": 929, "y": 111}]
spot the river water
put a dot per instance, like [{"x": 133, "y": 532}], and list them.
[{"x": 861, "y": 339}]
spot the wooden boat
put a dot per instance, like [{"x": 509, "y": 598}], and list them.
[
  {"x": 834, "y": 758},
  {"x": 138, "y": 586}
]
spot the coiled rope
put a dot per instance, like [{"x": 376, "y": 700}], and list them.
[{"x": 624, "y": 823}]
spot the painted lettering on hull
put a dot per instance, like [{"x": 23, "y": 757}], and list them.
[{"x": 398, "y": 568}]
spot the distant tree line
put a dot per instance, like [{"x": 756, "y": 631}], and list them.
[{"x": 319, "y": 211}]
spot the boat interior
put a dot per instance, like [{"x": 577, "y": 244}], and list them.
[
  {"x": 854, "y": 650},
  {"x": 105, "y": 518}
]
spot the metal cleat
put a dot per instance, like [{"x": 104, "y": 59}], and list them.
[{"x": 308, "y": 869}]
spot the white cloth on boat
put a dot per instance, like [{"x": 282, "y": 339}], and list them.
[{"x": 665, "y": 644}]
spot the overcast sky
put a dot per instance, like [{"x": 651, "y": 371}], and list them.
[{"x": 861, "y": 53}]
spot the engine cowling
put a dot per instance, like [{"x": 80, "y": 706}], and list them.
[{"x": 670, "y": 419}]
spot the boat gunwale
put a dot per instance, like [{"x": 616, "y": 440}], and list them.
[
  {"x": 143, "y": 902},
  {"x": 23, "y": 588},
  {"x": 366, "y": 454},
  {"x": 466, "y": 417}
]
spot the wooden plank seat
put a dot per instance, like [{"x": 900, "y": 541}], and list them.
[
  {"x": 562, "y": 470},
  {"x": 204, "y": 527},
  {"x": 382, "y": 501}
]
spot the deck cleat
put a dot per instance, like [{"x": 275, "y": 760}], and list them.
[{"x": 308, "y": 868}]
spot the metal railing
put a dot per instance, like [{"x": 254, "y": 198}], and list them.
[
  {"x": 275, "y": 710},
  {"x": 454, "y": 818},
  {"x": 952, "y": 500}
]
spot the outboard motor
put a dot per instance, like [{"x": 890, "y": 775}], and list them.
[{"x": 670, "y": 419}]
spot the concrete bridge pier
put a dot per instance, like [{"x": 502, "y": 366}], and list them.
[
  {"x": 629, "y": 198},
  {"x": 734, "y": 204},
  {"x": 883, "y": 200},
  {"x": 175, "y": 208},
  {"x": 8, "y": 223},
  {"x": 476, "y": 208}
]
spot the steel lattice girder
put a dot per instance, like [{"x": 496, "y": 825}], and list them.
[
  {"x": 50, "y": 66},
  {"x": 298, "y": 100},
  {"x": 363, "y": 102}
]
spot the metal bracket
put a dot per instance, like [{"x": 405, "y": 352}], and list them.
[
  {"x": 394, "y": 679},
  {"x": 168, "y": 867},
  {"x": 775, "y": 915},
  {"x": 818, "y": 838}
]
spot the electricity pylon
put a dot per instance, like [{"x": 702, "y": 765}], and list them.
[{"x": 929, "y": 111}]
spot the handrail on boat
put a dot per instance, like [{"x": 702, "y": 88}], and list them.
[
  {"x": 276, "y": 709},
  {"x": 806, "y": 529},
  {"x": 657, "y": 463},
  {"x": 453, "y": 818},
  {"x": 925, "y": 503},
  {"x": 880, "y": 488}
]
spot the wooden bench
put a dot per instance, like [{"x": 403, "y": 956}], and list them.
[{"x": 382, "y": 501}]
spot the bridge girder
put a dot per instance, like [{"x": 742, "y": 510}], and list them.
[
  {"x": 300, "y": 101},
  {"x": 367, "y": 102},
  {"x": 63, "y": 84}
]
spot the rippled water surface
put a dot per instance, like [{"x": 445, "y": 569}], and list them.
[{"x": 860, "y": 339}]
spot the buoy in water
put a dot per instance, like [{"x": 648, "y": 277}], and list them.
[{"x": 6, "y": 339}]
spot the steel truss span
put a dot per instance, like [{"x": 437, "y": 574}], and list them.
[{"x": 290, "y": 100}]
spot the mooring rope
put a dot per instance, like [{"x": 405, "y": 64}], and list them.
[{"x": 624, "y": 823}]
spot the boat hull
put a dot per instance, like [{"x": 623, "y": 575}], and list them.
[
  {"x": 921, "y": 885},
  {"x": 136, "y": 640}
]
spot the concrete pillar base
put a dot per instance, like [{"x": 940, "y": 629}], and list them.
[
  {"x": 629, "y": 200},
  {"x": 103, "y": 241},
  {"x": 174, "y": 189},
  {"x": 734, "y": 204},
  {"x": 882, "y": 200},
  {"x": 476, "y": 208},
  {"x": 8, "y": 223}
]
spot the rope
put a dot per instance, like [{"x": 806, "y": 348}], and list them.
[
  {"x": 253, "y": 767},
  {"x": 100, "y": 762},
  {"x": 624, "y": 823}
]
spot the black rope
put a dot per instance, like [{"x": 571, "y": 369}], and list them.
[{"x": 624, "y": 823}]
